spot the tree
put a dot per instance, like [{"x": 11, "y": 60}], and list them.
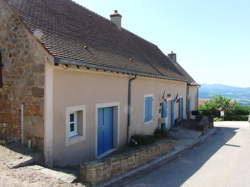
[{"x": 216, "y": 104}]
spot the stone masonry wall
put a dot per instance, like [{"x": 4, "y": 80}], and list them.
[
  {"x": 99, "y": 171},
  {"x": 23, "y": 80}
]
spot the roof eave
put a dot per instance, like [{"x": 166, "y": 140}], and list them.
[
  {"x": 194, "y": 84},
  {"x": 80, "y": 63}
]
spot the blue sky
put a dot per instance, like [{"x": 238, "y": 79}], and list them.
[{"x": 211, "y": 38}]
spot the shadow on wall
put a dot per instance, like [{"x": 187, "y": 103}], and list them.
[
  {"x": 19, "y": 149},
  {"x": 180, "y": 170}
]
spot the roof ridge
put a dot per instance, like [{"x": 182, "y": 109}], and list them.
[{"x": 126, "y": 30}]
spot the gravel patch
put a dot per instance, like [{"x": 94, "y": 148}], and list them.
[{"x": 29, "y": 176}]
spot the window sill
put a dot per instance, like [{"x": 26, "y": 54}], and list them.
[
  {"x": 148, "y": 122},
  {"x": 106, "y": 153},
  {"x": 74, "y": 139},
  {"x": 73, "y": 135}
]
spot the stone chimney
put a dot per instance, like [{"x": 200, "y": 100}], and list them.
[
  {"x": 172, "y": 56},
  {"x": 116, "y": 18}
]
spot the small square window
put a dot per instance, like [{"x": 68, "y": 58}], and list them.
[{"x": 75, "y": 124}]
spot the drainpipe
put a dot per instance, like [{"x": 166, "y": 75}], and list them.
[
  {"x": 197, "y": 99},
  {"x": 187, "y": 103},
  {"x": 129, "y": 106},
  {"x": 22, "y": 126}
]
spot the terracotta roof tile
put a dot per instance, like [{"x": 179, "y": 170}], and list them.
[{"x": 67, "y": 27}]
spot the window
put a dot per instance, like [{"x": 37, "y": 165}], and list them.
[
  {"x": 75, "y": 124},
  {"x": 148, "y": 108},
  {"x": 1, "y": 71}
]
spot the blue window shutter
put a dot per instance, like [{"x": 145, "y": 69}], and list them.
[
  {"x": 150, "y": 108},
  {"x": 145, "y": 109}
]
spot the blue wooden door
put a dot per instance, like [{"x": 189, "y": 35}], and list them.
[
  {"x": 105, "y": 130},
  {"x": 181, "y": 108},
  {"x": 190, "y": 106},
  {"x": 164, "y": 110},
  {"x": 164, "y": 113},
  {"x": 172, "y": 113}
]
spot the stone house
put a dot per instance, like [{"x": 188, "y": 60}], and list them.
[{"x": 77, "y": 86}]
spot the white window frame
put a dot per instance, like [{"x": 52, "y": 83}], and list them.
[
  {"x": 150, "y": 121},
  {"x": 75, "y": 137},
  {"x": 73, "y": 133}
]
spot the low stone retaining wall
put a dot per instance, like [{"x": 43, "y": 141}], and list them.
[{"x": 102, "y": 170}]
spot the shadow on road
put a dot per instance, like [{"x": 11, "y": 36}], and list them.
[{"x": 181, "y": 169}]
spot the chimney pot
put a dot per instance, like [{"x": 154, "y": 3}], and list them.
[
  {"x": 116, "y": 19},
  {"x": 173, "y": 56}
]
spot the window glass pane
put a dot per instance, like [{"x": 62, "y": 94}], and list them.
[
  {"x": 72, "y": 127},
  {"x": 72, "y": 117}
]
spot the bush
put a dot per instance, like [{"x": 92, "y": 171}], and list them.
[
  {"x": 216, "y": 104},
  {"x": 233, "y": 110},
  {"x": 241, "y": 109},
  {"x": 138, "y": 140},
  {"x": 218, "y": 119},
  {"x": 236, "y": 117},
  {"x": 159, "y": 134}
]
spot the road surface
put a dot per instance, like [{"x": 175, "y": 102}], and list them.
[{"x": 222, "y": 161}]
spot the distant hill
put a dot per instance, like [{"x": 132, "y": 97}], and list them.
[{"x": 242, "y": 95}]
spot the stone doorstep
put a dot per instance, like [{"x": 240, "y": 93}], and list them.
[
  {"x": 24, "y": 160},
  {"x": 21, "y": 162},
  {"x": 3, "y": 142},
  {"x": 161, "y": 159}
]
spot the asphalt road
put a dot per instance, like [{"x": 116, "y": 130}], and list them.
[{"x": 222, "y": 161}]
